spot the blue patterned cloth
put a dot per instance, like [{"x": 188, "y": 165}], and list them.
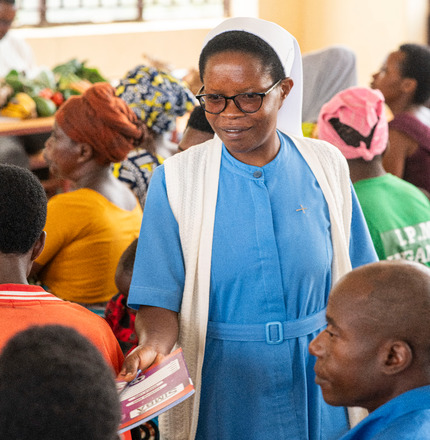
[
  {"x": 156, "y": 97},
  {"x": 136, "y": 171}
]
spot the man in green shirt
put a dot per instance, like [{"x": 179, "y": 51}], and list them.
[{"x": 397, "y": 213}]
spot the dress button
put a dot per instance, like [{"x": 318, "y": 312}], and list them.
[{"x": 258, "y": 174}]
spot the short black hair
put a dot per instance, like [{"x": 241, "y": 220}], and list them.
[
  {"x": 350, "y": 135},
  {"x": 198, "y": 121},
  {"x": 243, "y": 42},
  {"x": 416, "y": 65},
  {"x": 23, "y": 206},
  {"x": 55, "y": 384}
]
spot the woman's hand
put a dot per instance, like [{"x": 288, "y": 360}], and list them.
[
  {"x": 141, "y": 358},
  {"x": 157, "y": 330}
]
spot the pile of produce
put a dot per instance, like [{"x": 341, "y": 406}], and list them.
[{"x": 23, "y": 98}]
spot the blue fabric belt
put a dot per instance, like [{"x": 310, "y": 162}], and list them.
[{"x": 274, "y": 332}]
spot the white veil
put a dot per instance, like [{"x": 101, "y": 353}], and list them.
[{"x": 288, "y": 50}]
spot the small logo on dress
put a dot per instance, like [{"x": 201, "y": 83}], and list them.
[{"x": 302, "y": 208}]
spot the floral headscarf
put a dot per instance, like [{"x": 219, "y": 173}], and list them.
[{"x": 156, "y": 97}]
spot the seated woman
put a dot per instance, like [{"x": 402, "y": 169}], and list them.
[
  {"x": 90, "y": 227},
  {"x": 405, "y": 83},
  {"x": 158, "y": 99}
]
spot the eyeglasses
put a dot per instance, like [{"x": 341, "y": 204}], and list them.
[{"x": 246, "y": 102}]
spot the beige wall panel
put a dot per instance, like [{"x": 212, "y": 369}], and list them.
[
  {"x": 115, "y": 53},
  {"x": 372, "y": 28},
  {"x": 287, "y": 13}
]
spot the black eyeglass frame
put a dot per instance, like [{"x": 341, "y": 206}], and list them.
[{"x": 233, "y": 98}]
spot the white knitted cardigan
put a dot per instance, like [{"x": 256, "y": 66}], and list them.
[{"x": 192, "y": 189}]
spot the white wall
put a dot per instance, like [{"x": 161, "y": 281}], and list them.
[
  {"x": 116, "y": 48},
  {"x": 372, "y": 28}
]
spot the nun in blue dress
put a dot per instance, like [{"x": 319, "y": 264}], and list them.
[{"x": 242, "y": 239}]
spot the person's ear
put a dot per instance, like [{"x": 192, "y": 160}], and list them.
[
  {"x": 286, "y": 86},
  {"x": 86, "y": 152},
  {"x": 38, "y": 246},
  {"x": 408, "y": 86},
  {"x": 395, "y": 356}
]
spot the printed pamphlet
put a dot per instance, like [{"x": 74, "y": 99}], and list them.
[{"x": 154, "y": 391}]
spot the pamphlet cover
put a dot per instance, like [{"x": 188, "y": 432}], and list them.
[{"x": 154, "y": 391}]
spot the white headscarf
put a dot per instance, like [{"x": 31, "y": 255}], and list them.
[
  {"x": 288, "y": 51},
  {"x": 325, "y": 73}
]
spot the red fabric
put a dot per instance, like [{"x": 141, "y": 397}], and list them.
[
  {"x": 417, "y": 166},
  {"x": 102, "y": 120},
  {"x": 125, "y": 435},
  {"x": 22, "y": 306},
  {"x": 121, "y": 320}
]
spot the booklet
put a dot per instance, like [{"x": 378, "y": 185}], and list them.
[{"x": 154, "y": 391}]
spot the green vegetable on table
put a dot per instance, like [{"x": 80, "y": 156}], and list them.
[
  {"x": 44, "y": 107},
  {"x": 75, "y": 67},
  {"x": 21, "y": 83},
  {"x": 49, "y": 89}
]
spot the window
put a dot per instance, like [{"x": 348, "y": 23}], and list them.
[{"x": 54, "y": 12}]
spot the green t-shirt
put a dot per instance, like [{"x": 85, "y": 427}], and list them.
[{"x": 398, "y": 216}]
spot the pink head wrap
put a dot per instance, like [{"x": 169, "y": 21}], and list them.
[{"x": 361, "y": 109}]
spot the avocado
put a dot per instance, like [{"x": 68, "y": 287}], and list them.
[{"x": 44, "y": 107}]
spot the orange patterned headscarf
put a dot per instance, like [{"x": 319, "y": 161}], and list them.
[{"x": 103, "y": 121}]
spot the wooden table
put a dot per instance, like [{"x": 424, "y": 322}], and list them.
[{"x": 19, "y": 127}]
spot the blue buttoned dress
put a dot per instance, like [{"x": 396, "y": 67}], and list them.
[{"x": 271, "y": 267}]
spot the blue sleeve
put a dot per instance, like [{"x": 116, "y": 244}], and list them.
[
  {"x": 361, "y": 249},
  {"x": 158, "y": 273}
]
